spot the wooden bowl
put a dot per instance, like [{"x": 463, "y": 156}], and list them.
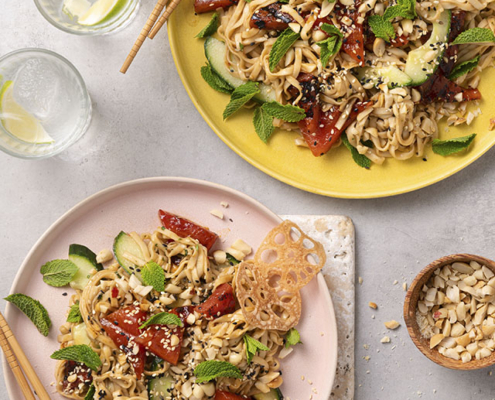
[{"x": 411, "y": 304}]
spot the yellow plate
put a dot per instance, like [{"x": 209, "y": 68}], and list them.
[{"x": 334, "y": 174}]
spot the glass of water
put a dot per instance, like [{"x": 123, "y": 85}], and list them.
[
  {"x": 44, "y": 104},
  {"x": 88, "y": 17}
]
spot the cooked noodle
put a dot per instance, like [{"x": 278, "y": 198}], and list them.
[
  {"x": 397, "y": 124},
  {"x": 190, "y": 281}
]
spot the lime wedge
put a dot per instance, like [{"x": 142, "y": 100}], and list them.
[
  {"x": 75, "y": 8},
  {"x": 18, "y": 121},
  {"x": 100, "y": 11}
]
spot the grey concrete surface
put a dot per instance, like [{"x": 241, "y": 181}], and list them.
[{"x": 145, "y": 125}]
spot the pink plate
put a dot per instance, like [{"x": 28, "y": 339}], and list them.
[{"x": 133, "y": 206}]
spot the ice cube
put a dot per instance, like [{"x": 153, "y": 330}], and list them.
[{"x": 36, "y": 87}]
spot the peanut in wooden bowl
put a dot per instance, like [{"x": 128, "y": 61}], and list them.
[{"x": 411, "y": 304}]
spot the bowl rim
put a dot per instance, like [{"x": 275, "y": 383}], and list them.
[{"x": 410, "y": 306}]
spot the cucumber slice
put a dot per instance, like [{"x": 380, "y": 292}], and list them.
[
  {"x": 273, "y": 394},
  {"x": 85, "y": 260},
  {"x": 80, "y": 334},
  {"x": 390, "y": 75},
  {"x": 159, "y": 387},
  {"x": 416, "y": 67},
  {"x": 122, "y": 244},
  {"x": 215, "y": 54}
]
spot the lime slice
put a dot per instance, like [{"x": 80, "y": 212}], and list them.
[
  {"x": 18, "y": 121},
  {"x": 100, "y": 11},
  {"x": 75, "y": 8}
]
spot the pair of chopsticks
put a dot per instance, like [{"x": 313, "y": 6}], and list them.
[
  {"x": 150, "y": 29},
  {"x": 18, "y": 363}
]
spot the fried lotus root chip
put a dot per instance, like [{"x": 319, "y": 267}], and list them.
[
  {"x": 263, "y": 306},
  {"x": 288, "y": 258}
]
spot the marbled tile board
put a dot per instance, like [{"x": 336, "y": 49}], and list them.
[{"x": 336, "y": 234}]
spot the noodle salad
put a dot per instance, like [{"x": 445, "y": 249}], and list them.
[
  {"x": 163, "y": 317},
  {"x": 375, "y": 75}
]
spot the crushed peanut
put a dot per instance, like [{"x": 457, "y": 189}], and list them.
[
  {"x": 372, "y": 305},
  {"x": 456, "y": 311},
  {"x": 392, "y": 324}
]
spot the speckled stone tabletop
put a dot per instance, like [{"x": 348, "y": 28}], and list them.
[{"x": 145, "y": 125}]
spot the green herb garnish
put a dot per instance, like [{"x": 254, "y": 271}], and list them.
[
  {"x": 241, "y": 96},
  {"x": 252, "y": 346},
  {"x": 81, "y": 353},
  {"x": 359, "y": 159},
  {"x": 163, "y": 318},
  {"x": 283, "y": 43},
  {"x": 452, "y": 146},
  {"x": 58, "y": 273},
  {"x": 216, "y": 82},
  {"x": 210, "y": 28},
  {"x": 464, "y": 68},
  {"x": 153, "y": 275},
  {"x": 213, "y": 369},
  {"x": 292, "y": 338},
  {"x": 33, "y": 309}
]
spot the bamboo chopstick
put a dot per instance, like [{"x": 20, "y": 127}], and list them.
[
  {"x": 170, "y": 8},
  {"x": 160, "y": 5},
  {"x": 14, "y": 367},
  {"x": 38, "y": 387}
]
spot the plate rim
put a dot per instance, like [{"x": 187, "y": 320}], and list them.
[
  {"x": 333, "y": 339},
  {"x": 172, "y": 37}
]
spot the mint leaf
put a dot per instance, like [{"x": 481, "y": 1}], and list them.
[
  {"x": 292, "y": 338},
  {"x": 252, "y": 346},
  {"x": 283, "y": 43},
  {"x": 74, "y": 314},
  {"x": 33, "y": 309},
  {"x": 215, "y": 80},
  {"x": 91, "y": 392},
  {"x": 367, "y": 143},
  {"x": 329, "y": 47},
  {"x": 331, "y": 29},
  {"x": 359, "y": 159},
  {"x": 213, "y": 369},
  {"x": 452, "y": 146},
  {"x": 58, "y": 272},
  {"x": 163, "y": 318},
  {"x": 263, "y": 126},
  {"x": 381, "y": 27},
  {"x": 392, "y": 12},
  {"x": 232, "y": 260},
  {"x": 464, "y": 68},
  {"x": 286, "y": 112},
  {"x": 241, "y": 96},
  {"x": 210, "y": 28},
  {"x": 153, "y": 275},
  {"x": 475, "y": 35},
  {"x": 405, "y": 9},
  {"x": 80, "y": 353}
]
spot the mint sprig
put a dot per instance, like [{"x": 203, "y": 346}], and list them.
[
  {"x": 475, "y": 35},
  {"x": 80, "y": 353},
  {"x": 252, "y": 346},
  {"x": 286, "y": 112},
  {"x": 232, "y": 260},
  {"x": 359, "y": 159},
  {"x": 213, "y": 369},
  {"x": 163, "y": 318},
  {"x": 331, "y": 45},
  {"x": 74, "y": 314},
  {"x": 241, "y": 95},
  {"x": 214, "y": 80},
  {"x": 263, "y": 124},
  {"x": 292, "y": 338},
  {"x": 58, "y": 273},
  {"x": 381, "y": 27},
  {"x": 404, "y": 8},
  {"x": 283, "y": 43},
  {"x": 153, "y": 275},
  {"x": 210, "y": 28},
  {"x": 33, "y": 309},
  {"x": 452, "y": 146},
  {"x": 263, "y": 117},
  {"x": 464, "y": 68}
]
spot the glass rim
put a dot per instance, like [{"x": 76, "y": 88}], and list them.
[
  {"x": 76, "y": 134},
  {"x": 95, "y": 32}
]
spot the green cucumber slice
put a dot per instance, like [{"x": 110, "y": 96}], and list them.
[
  {"x": 273, "y": 394},
  {"x": 85, "y": 260},
  {"x": 159, "y": 387},
  {"x": 416, "y": 67},
  {"x": 122, "y": 244},
  {"x": 215, "y": 54},
  {"x": 390, "y": 75}
]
